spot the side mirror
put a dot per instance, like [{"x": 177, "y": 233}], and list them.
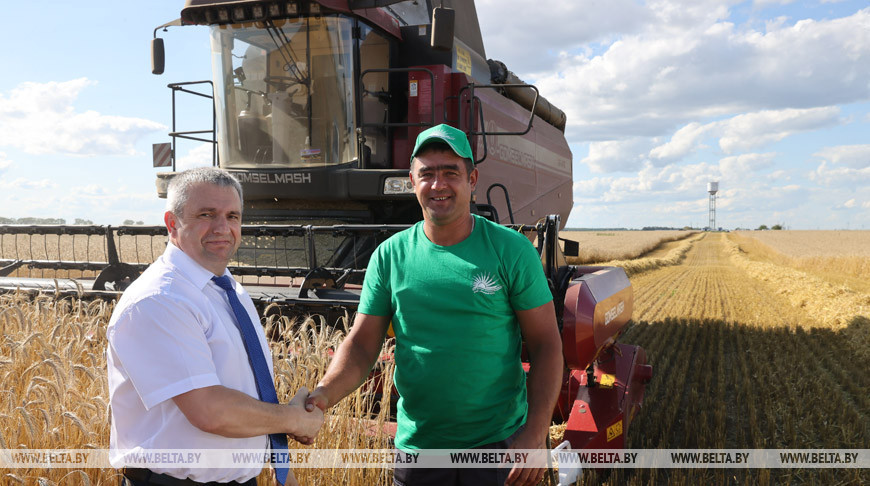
[
  {"x": 158, "y": 56},
  {"x": 443, "y": 22}
]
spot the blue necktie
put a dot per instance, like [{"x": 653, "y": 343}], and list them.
[{"x": 265, "y": 385}]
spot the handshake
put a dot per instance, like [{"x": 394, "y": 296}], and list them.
[{"x": 307, "y": 414}]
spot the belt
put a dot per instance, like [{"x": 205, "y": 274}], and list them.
[{"x": 148, "y": 476}]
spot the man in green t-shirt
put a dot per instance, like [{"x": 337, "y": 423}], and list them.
[{"x": 462, "y": 294}]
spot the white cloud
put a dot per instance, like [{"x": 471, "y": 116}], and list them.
[
  {"x": 651, "y": 183},
  {"x": 751, "y": 130},
  {"x": 532, "y": 44},
  {"x": 5, "y": 163},
  {"x": 839, "y": 176},
  {"x": 685, "y": 92},
  {"x": 745, "y": 132},
  {"x": 617, "y": 155},
  {"x": 589, "y": 188},
  {"x": 683, "y": 142},
  {"x": 767, "y": 3},
  {"x": 648, "y": 83},
  {"x": 853, "y": 156},
  {"x": 22, "y": 183},
  {"x": 89, "y": 190},
  {"x": 739, "y": 166},
  {"x": 680, "y": 14},
  {"x": 199, "y": 156},
  {"x": 39, "y": 118}
]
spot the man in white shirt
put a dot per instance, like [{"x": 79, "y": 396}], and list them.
[{"x": 178, "y": 370}]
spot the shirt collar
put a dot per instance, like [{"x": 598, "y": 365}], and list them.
[{"x": 188, "y": 267}]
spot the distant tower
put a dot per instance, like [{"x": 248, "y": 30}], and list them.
[{"x": 712, "y": 188}]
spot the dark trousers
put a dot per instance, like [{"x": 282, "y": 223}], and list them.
[
  {"x": 145, "y": 477},
  {"x": 491, "y": 476}
]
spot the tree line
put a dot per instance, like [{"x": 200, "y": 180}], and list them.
[{"x": 29, "y": 220}]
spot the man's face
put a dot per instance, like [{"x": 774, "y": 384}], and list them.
[
  {"x": 209, "y": 228},
  {"x": 443, "y": 186}
]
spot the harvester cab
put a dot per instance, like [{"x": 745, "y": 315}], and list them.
[{"x": 317, "y": 105}]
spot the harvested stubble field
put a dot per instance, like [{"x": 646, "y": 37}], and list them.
[
  {"x": 602, "y": 246},
  {"x": 749, "y": 352}
]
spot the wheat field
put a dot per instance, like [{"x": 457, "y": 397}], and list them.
[
  {"x": 839, "y": 257},
  {"x": 55, "y": 393},
  {"x": 751, "y": 349}
]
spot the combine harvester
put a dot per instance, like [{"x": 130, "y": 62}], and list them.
[{"x": 316, "y": 108}]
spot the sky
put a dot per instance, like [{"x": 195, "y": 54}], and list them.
[{"x": 771, "y": 98}]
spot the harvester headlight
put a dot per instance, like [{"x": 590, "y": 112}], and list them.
[
  {"x": 223, "y": 15},
  {"x": 292, "y": 9},
  {"x": 398, "y": 185},
  {"x": 257, "y": 12},
  {"x": 274, "y": 10},
  {"x": 239, "y": 14}
]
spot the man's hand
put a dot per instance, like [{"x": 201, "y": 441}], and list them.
[
  {"x": 541, "y": 334},
  {"x": 308, "y": 421},
  {"x": 527, "y": 476},
  {"x": 317, "y": 399},
  {"x": 351, "y": 363}
]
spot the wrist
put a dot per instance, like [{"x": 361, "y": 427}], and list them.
[
  {"x": 300, "y": 421},
  {"x": 538, "y": 428},
  {"x": 321, "y": 397}
]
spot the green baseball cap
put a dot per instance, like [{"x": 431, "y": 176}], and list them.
[{"x": 453, "y": 137}]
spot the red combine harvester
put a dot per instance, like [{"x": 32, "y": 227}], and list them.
[{"x": 316, "y": 107}]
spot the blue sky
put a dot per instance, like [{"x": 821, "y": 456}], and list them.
[{"x": 771, "y": 98}]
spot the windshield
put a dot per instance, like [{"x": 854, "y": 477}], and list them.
[
  {"x": 284, "y": 92},
  {"x": 409, "y": 12}
]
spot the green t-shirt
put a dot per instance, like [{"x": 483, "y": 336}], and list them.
[{"x": 458, "y": 369}]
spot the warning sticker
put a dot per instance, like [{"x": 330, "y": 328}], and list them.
[
  {"x": 413, "y": 88},
  {"x": 162, "y": 154},
  {"x": 463, "y": 60},
  {"x": 614, "y": 431},
  {"x": 607, "y": 380}
]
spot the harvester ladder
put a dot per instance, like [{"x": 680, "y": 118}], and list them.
[{"x": 189, "y": 134}]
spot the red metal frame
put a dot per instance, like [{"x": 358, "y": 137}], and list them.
[{"x": 599, "y": 416}]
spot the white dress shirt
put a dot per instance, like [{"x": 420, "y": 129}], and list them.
[{"x": 174, "y": 331}]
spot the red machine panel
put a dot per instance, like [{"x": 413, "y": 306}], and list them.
[
  {"x": 598, "y": 305},
  {"x": 600, "y": 415}
]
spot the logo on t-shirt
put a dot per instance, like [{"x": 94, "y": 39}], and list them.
[{"x": 485, "y": 283}]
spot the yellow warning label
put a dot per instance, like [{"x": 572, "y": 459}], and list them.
[
  {"x": 607, "y": 380},
  {"x": 614, "y": 431},
  {"x": 463, "y": 60}
]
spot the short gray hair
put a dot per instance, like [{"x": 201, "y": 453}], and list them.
[{"x": 178, "y": 191}]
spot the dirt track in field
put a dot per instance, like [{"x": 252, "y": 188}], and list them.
[{"x": 738, "y": 366}]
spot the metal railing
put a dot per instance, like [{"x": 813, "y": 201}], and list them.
[{"x": 189, "y": 134}]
